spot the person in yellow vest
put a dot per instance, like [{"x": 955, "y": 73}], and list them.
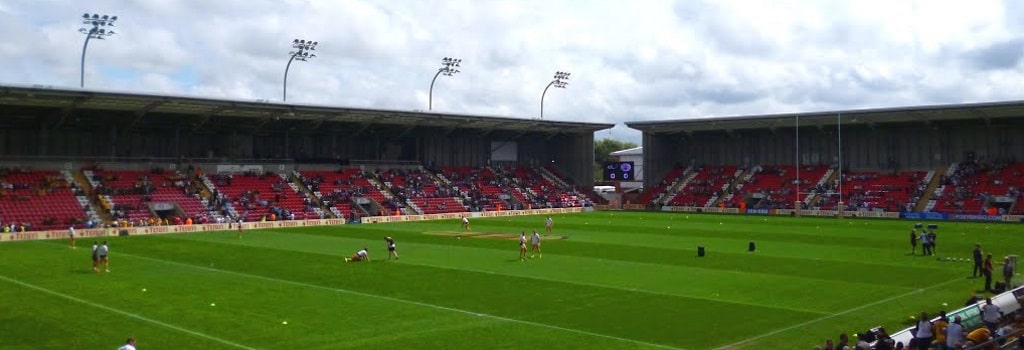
[
  {"x": 940, "y": 329},
  {"x": 263, "y": 218},
  {"x": 981, "y": 335}
]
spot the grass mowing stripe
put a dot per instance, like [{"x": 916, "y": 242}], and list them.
[
  {"x": 403, "y": 301},
  {"x": 799, "y": 325},
  {"x": 542, "y": 278},
  {"x": 608, "y": 286},
  {"x": 591, "y": 284},
  {"x": 123, "y": 313}
]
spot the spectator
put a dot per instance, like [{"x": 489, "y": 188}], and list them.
[
  {"x": 990, "y": 313},
  {"x": 954, "y": 334},
  {"x": 940, "y": 329},
  {"x": 923, "y": 332}
]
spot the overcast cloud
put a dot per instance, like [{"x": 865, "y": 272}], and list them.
[{"x": 630, "y": 60}]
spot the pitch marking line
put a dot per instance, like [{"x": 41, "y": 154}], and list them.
[
  {"x": 404, "y": 301},
  {"x": 122, "y": 313},
  {"x": 599, "y": 285},
  {"x": 799, "y": 325}
]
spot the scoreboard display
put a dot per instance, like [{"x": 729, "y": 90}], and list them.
[{"x": 618, "y": 171}]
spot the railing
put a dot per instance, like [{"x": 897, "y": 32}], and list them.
[{"x": 971, "y": 314}]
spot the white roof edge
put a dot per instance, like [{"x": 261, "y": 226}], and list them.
[{"x": 635, "y": 151}]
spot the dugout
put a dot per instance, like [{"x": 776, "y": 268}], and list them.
[
  {"x": 922, "y": 137},
  {"x": 41, "y": 124}
]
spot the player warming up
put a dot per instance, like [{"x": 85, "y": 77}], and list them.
[
  {"x": 71, "y": 235},
  {"x": 535, "y": 245},
  {"x": 547, "y": 225},
  {"x": 465, "y": 223},
  {"x": 103, "y": 251},
  {"x": 95, "y": 256},
  {"x": 522, "y": 246},
  {"x": 240, "y": 221},
  {"x": 391, "y": 248},
  {"x": 128, "y": 345},
  {"x": 361, "y": 255}
]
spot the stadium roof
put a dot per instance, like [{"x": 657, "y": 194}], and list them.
[
  {"x": 918, "y": 114},
  {"x": 141, "y": 104}
]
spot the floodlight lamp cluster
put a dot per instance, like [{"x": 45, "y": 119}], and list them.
[
  {"x": 450, "y": 65},
  {"x": 561, "y": 79},
  {"x": 99, "y": 24},
  {"x": 303, "y": 48}
]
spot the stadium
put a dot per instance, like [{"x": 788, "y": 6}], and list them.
[
  {"x": 131, "y": 167},
  {"x": 187, "y": 222}
]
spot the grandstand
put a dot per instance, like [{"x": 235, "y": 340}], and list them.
[
  {"x": 950, "y": 159},
  {"x": 102, "y": 158},
  {"x": 40, "y": 200},
  {"x": 211, "y": 160}
]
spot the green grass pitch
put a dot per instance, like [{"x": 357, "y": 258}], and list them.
[{"x": 616, "y": 280}]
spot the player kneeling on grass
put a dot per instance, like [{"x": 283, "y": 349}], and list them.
[{"x": 361, "y": 255}]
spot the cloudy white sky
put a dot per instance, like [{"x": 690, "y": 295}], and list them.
[{"x": 630, "y": 60}]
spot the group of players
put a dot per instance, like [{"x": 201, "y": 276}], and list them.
[
  {"x": 364, "y": 254},
  {"x": 99, "y": 252}
]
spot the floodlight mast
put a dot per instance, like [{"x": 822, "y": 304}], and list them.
[
  {"x": 449, "y": 66},
  {"x": 97, "y": 31},
  {"x": 560, "y": 81},
  {"x": 303, "y": 52}
]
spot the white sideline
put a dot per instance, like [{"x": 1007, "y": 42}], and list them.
[
  {"x": 123, "y": 313},
  {"x": 883, "y": 301},
  {"x": 404, "y": 301}
]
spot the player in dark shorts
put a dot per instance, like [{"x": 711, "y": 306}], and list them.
[
  {"x": 95, "y": 256},
  {"x": 391, "y": 248},
  {"x": 913, "y": 242}
]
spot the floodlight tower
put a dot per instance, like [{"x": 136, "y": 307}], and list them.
[
  {"x": 560, "y": 81},
  {"x": 98, "y": 31},
  {"x": 303, "y": 52},
  {"x": 449, "y": 66}
]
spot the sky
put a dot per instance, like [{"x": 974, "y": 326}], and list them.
[{"x": 629, "y": 60}]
